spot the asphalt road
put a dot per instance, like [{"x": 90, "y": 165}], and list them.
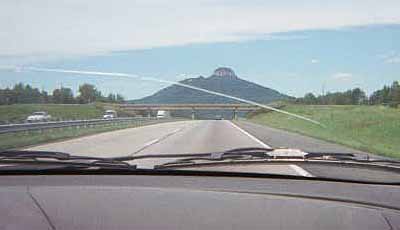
[{"x": 191, "y": 137}]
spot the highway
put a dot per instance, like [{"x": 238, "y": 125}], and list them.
[{"x": 197, "y": 136}]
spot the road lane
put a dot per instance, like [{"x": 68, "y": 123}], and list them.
[
  {"x": 167, "y": 138},
  {"x": 212, "y": 136},
  {"x": 206, "y": 136},
  {"x": 117, "y": 143}
]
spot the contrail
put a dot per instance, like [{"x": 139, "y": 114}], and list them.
[{"x": 133, "y": 76}]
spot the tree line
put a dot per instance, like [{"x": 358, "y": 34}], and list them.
[
  {"x": 388, "y": 95},
  {"x": 26, "y": 94}
]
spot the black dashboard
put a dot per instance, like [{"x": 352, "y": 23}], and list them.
[{"x": 193, "y": 202}]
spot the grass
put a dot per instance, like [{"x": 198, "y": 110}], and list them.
[
  {"x": 375, "y": 129},
  {"x": 19, "y": 112},
  {"x": 21, "y": 139}
]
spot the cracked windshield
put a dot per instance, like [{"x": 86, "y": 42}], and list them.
[{"x": 275, "y": 88}]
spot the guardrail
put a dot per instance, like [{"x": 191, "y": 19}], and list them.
[{"x": 14, "y": 128}]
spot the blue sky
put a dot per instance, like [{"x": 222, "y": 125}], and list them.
[{"x": 340, "y": 46}]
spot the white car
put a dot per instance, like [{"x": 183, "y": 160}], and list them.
[
  {"x": 162, "y": 114},
  {"x": 40, "y": 116},
  {"x": 110, "y": 114}
]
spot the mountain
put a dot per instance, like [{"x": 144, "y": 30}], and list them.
[{"x": 223, "y": 80}]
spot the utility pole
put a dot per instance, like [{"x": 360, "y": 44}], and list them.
[{"x": 323, "y": 93}]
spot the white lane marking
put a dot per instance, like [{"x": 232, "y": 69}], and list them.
[
  {"x": 251, "y": 136},
  {"x": 301, "y": 171},
  {"x": 152, "y": 142},
  {"x": 296, "y": 168},
  {"x": 155, "y": 141}
]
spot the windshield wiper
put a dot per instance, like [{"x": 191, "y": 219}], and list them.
[
  {"x": 266, "y": 154},
  {"x": 59, "y": 158}
]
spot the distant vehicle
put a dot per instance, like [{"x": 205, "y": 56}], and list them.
[
  {"x": 219, "y": 117},
  {"x": 162, "y": 114},
  {"x": 39, "y": 116},
  {"x": 110, "y": 114}
]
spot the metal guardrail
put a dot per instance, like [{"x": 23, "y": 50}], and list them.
[{"x": 14, "y": 128}]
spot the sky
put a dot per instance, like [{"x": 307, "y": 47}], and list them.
[{"x": 292, "y": 46}]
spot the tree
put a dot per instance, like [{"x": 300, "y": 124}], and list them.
[
  {"x": 386, "y": 94},
  {"x": 22, "y": 93},
  {"x": 350, "y": 97},
  {"x": 395, "y": 94},
  {"x": 120, "y": 98},
  {"x": 67, "y": 96},
  {"x": 63, "y": 96},
  {"x": 44, "y": 98},
  {"x": 56, "y": 97},
  {"x": 5, "y": 96},
  {"x": 310, "y": 98},
  {"x": 88, "y": 93},
  {"x": 389, "y": 95},
  {"x": 357, "y": 96},
  {"x": 111, "y": 97},
  {"x": 115, "y": 98}
]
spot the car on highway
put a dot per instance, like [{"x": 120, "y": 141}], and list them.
[
  {"x": 163, "y": 114},
  {"x": 219, "y": 117},
  {"x": 110, "y": 114},
  {"x": 40, "y": 116}
]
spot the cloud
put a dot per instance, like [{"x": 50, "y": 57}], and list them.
[
  {"x": 342, "y": 76},
  {"x": 393, "y": 60},
  {"x": 88, "y": 27},
  {"x": 391, "y": 57},
  {"x": 314, "y": 61},
  {"x": 265, "y": 36}
]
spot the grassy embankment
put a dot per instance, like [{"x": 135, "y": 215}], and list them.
[
  {"x": 375, "y": 129},
  {"x": 18, "y": 113}
]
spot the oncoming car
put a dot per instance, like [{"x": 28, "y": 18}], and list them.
[
  {"x": 110, "y": 114},
  {"x": 40, "y": 116}
]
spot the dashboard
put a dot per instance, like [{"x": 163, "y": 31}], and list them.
[{"x": 193, "y": 202}]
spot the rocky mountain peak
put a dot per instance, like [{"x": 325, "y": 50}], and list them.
[
  {"x": 223, "y": 80},
  {"x": 224, "y": 72}
]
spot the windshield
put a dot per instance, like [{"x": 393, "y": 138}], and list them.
[
  {"x": 188, "y": 77},
  {"x": 39, "y": 113}
]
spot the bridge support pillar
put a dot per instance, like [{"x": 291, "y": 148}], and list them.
[
  {"x": 235, "y": 116},
  {"x": 148, "y": 112},
  {"x": 193, "y": 114}
]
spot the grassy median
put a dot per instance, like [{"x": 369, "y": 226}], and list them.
[{"x": 375, "y": 129}]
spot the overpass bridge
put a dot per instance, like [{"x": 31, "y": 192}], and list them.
[{"x": 193, "y": 107}]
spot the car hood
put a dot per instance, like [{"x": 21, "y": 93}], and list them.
[{"x": 99, "y": 207}]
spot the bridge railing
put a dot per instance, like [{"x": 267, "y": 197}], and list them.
[
  {"x": 188, "y": 106},
  {"x": 235, "y": 108}
]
